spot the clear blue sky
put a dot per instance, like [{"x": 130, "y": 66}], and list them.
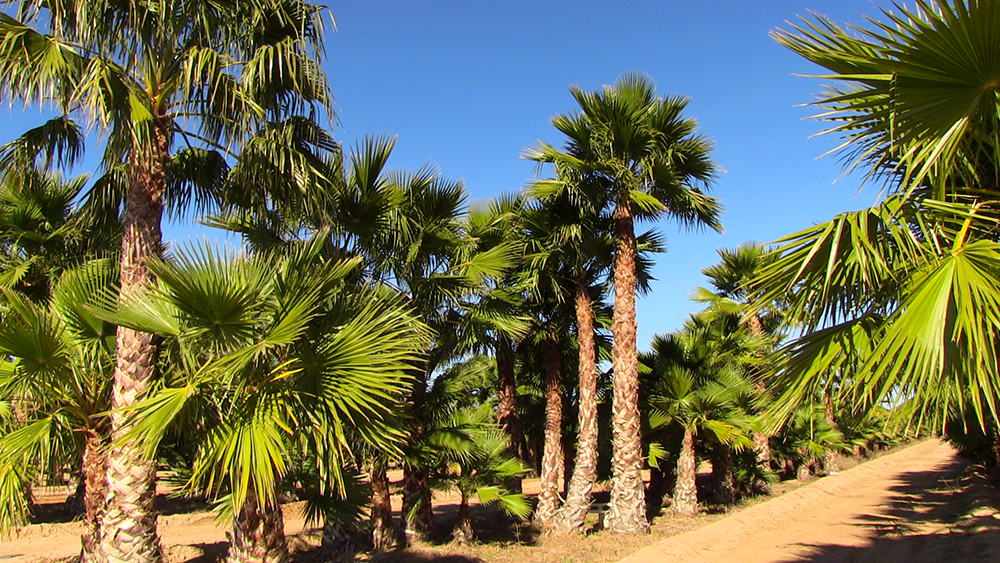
[{"x": 468, "y": 85}]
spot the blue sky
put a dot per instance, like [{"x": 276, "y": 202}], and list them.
[{"x": 468, "y": 85}]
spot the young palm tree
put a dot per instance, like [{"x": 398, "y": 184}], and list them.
[
  {"x": 271, "y": 356},
  {"x": 496, "y": 320},
  {"x": 146, "y": 75},
  {"x": 58, "y": 376},
  {"x": 430, "y": 254},
  {"x": 809, "y": 437},
  {"x": 731, "y": 279},
  {"x": 408, "y": 227},
  {"x": 698, "y": 383},
  {"x": 480, "y": 465},
  {"x": 896, "y": 298},
  {"x": 649, "y": 158}
]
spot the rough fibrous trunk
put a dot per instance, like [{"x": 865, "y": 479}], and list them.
[
  {"x": 804, "y": 470},
  {"x": 129, "y": 521},
  {"x": 762, "y": 449},
  {"x": 573, "y": 515},
  {"x": 258, "y": 534},
  {"x": 463, "y": 523},
  {"x": 94, "y": 480},
  {"x": 507, "y": 414},
  {"x": 761, "y": 441},
  {"x": 722, "y": 475},
  {"x": 685, "y": 499},
  {"x": 552, "y": 456},
  {"x": 995, "y": 438},
  {"x": 418, "y": 513},
  {"x": 627, "y": 513},
  {"x": 383, "y": 536}
]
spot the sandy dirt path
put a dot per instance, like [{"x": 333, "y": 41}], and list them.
[{"x": 913, "y": 506}]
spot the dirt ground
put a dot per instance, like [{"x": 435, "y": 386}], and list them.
[{"x": 917, "y": 505}]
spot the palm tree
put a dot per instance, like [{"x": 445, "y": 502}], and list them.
[
  {"x": 896, "y": 299},
  {"x": 496, "y": 320},
  {"x": 432, "y": 256},
  {"x": 698, "y": 379},
  {"x": 58, "y": 377},
  {"x": 650, "y": 160},
  {"x": 147, "y": 75},
  {"x": 271, "y": 356},
  {"x": 731, "y": 279},
  {"x": 809, "y": 437},
  {"x": 564, "y": 262},
  {"x": 480, "y": 465}
]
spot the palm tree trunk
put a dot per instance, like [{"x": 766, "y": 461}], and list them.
[
  {"x": 627, "y": 512},
  {"x": 722, "y": 475},
  {"x": 129, "y": 521},
  {"x": 463, "y": 523},
  {"x": 685, "y": 499},
  {"x": 95, "y": 490},
  {"x": 831, "y": 457},
  {"x": 993, "y": 435},
  {"x": 552, "y": 457},
  {"x": 660, "y": 482},
  {"x": 761, "y": 441},
  {"x": 507, "y": 415},
  {"x": 573, "y": 515},
  {"x": 804, "y": 470},
  {"x": 418, "y": 513},
  {"x": 383, "y": 535},
  {"x": 762, "y": 449},
  {"x": 258, "y": 534}
]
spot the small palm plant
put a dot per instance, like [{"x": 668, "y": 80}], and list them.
[
  {"x": 479, "y": 465},
  {"x": 270, "y": 357},
  {"x": 705, "y": 408},
  {"x": 56, "y": 382},
  {"x": 808, "y": 437}
]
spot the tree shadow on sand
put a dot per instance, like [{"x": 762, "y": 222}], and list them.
[
  {"x": 490, "y": 527},
  {"x": 946, "y": 514}
]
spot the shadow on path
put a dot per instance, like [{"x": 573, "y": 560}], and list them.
[{"x": 946, "y": 514}]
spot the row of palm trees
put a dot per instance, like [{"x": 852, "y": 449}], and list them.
[{"x": 376, "y": 319}]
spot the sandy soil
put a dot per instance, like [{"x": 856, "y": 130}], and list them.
[
  {"x": 914, "y": 506},
  {"x": 917, "y": 505}
]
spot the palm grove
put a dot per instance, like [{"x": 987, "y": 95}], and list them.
[{"x": 374, "y": 319}]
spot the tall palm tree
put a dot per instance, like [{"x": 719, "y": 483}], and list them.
[
  {"x": 58, "y": 376},
  {"x": 430, "y": 254},
  {"x": 899, "y": 299},
  {"x": 653, "y": 164},
  {"x": 571, "y": 243},
  {"x": 272, "y": 357},
  {"x": 149, "y": 74}
]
